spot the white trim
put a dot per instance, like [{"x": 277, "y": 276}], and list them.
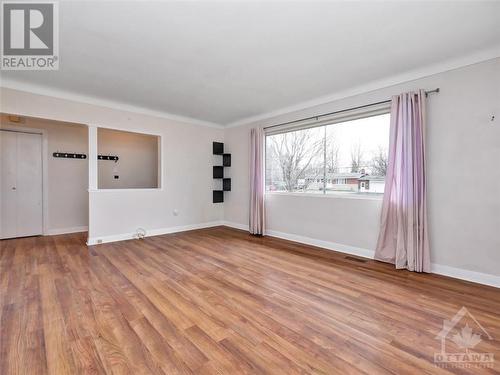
[
  {"x": 235, "y": 225},
  {"x": 474, "y": 58},
  {"x": 151, "y": 232},
  {"x": 347, "y": 249},
  {"x": 12, "y": 84},
  {"x": 361, "y": 196},
  {"x": 55, "y": 232},
  {"x": 129, "y": 130},
  {"x": 458, "y": 273},
  {"x": 112, "y": 190},
  {"x": 412, "y": 75},
  {"x": 342, "y": 248},
  {"x": 93, "y": 166},
  {"x": 341, "y": 116}
]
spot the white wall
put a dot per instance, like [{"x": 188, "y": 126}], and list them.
[
  {"x": 463, "y": 150},
  {"x": 67, "y": 179},
  {"x": 186, "y": 167},
  {"x": 137, "y": 166}
]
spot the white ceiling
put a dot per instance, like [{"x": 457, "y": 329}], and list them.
[{"x": 222, "y": 62}]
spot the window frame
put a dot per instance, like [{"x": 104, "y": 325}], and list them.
[{"x": 335, "y": 118}]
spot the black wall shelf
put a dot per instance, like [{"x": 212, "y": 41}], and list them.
[
  {"x": 218, "y": 172},
  {"x": 218, "y": 148},
  {"x": 218, "y": 196}
]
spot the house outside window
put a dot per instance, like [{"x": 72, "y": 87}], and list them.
[{"x": 342, "y": 157}]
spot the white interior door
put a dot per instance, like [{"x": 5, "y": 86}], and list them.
[
  {"x": 21, "y": 184},
  {"x": 8, "y": 173}
]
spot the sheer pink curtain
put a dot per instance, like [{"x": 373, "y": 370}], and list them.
[
  {"x": 256, "y": 181},
  {"x": 403, "y": 237}
]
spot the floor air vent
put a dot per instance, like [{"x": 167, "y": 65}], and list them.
[{"x": 359, "y": 260}]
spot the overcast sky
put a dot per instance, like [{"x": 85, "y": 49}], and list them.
[{"x": 370, "y": 132}]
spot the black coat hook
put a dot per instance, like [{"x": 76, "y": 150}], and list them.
[
  {"x": 108, "y": 157},
  {"x": 69, "y": 155}
]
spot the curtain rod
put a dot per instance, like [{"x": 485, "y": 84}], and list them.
[{"x": 342, "y": 110}]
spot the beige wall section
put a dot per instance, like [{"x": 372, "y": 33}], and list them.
[
  {"x": 463, "y": 147},
  {"x": 137, "y": 166},
  {"x": 186, "y": 163},
  {"x": 67, "y": 178}
]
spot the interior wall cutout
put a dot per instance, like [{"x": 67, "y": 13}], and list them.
[{"x": 127, "y": 160}]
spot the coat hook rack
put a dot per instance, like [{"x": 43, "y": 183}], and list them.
[
  {"x": 72, "y": 155},
  {"x": 69, "y": 155},
  {"x": 108, "y": 157}
]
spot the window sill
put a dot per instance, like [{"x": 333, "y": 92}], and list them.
[{"x": 374, "y": 197}]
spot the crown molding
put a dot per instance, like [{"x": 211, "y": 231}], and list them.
[
  {"x": 67, "y": 95},
  {"x": 412, "y": 75},
  {"x": 477, "y": 57}
]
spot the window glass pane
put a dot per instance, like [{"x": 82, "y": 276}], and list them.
[
  {"x": 290, "y": 156},
  {"x": 343, "y": 158},
  {"x": 357, "y": 155}
]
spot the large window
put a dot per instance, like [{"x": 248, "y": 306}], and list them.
[{"x": 346, "y": 158}]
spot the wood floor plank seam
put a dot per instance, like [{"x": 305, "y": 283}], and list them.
[{"x": 219, "y": 301}]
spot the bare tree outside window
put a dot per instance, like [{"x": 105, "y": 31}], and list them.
[
  {"x": 379, "y": 162},
  {"x": 357, "y": 154},
  {"x": 332, "y": 154},
  {"x": 295, "y": 153},
  {"x": 341, "y": 158}
]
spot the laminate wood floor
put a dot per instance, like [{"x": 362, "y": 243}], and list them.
[{"x": 218, "y": 301}]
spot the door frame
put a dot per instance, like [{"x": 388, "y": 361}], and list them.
[{"x": 45, "y": 164}]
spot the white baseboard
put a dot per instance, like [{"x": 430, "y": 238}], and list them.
[
  {"x": 352, "y": 250},
  {"x": 151, "y": 232},
  {"x": 55, "y": 232},
  {"x": 458, "y": 273},
  {"x": 235, "y": 225}
]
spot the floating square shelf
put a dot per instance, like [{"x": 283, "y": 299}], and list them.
[
  {"x": 218, "y": 172},
  {"x": 226, "y": 184},
  {"x": 218, "y": 196},
  {"x": 226, "y": 160},
  {"x": 218, "y": 148}
]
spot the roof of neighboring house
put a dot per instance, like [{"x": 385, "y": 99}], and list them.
[
  {"x": 337, "y": 175},
  {"x": 372, "y": 178}
]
